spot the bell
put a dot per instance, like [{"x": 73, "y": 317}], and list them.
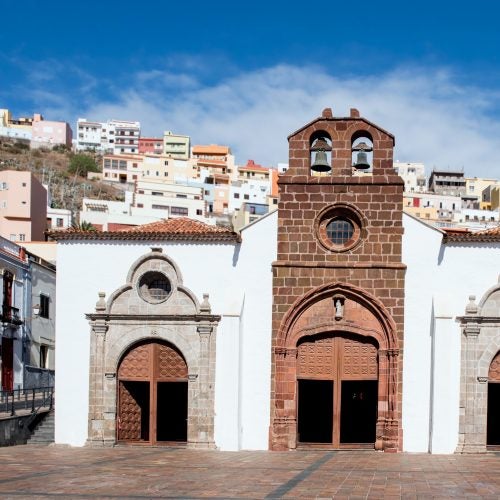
[
  {"x": 362, "y": 161},
  {"x": 320, "y": 163}
]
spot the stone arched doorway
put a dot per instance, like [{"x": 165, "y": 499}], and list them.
[
  {"x": 480, "y": 373},
  {"x": 493, "y": 417},
  {"x": 337, "y": 390},
  {"x": 152, "y": 395},
  {"x": 152, "y": 343},
  {"x": 353, "y": 348}
]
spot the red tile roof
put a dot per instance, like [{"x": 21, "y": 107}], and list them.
[
  {"x": 486, "y": 235},
  {"x": 181, "y": 228},
  {"x": 211, "y": 149}
]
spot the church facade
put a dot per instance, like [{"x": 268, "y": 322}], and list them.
[{"x": 336, "y": 321}]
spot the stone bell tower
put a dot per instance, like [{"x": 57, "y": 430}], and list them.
[{"x": 338, "y": 290}]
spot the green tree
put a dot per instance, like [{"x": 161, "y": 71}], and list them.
[
  {"x": 82, "y": 164},
  {"x": 83, "y": 226}
]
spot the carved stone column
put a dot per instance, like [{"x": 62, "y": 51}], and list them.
[
  {"x": 472, "y": 423},
  {"x": 99, "y": 327},
  {"x": 205, "y": 426},
  {"x": 284, "y": 425}
]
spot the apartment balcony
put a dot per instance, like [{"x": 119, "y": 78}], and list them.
[{"x": 11, "y": 315}]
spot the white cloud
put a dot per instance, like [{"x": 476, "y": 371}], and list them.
[{"x": 435, "y": 119}]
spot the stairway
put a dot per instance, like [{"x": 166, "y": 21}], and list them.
[{"x": 44, "y": 431}]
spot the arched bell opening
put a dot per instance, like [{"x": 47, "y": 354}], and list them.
[
  {"x": 337, "y": 390},
  {"x": 493, "y": 415},
  {"x": 362, "y": 152},
  {"x": 152, "y": 398},
  {"x": 320, "y": 148}
]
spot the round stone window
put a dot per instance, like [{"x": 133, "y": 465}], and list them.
[
  {"x": 339, "y": 228},
  {"x": 340, "y": 231},
  {"x": 154, "y": 287}
]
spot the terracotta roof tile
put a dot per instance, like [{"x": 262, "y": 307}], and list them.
[
  {"x": 181, "y": 228},
  {"x": 486, "y": 235}
]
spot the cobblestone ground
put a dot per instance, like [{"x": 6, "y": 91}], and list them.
[{"x": 140, "y": 472}]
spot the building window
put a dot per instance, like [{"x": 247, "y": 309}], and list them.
[
  {"x": 179, "y": 211},
  {"x": 22, "y": 237},
  {"x": 246, "y": 197},
  {"x": 236, "y": 195},
  {"x": 44, "y": 356},
  {"x": 140, "y": 205},
  {"x": 44, "y": 306},
  {"x": 199, "y": 211},
  {"x": 340, "y": 228},
  {"x": 154, "y": 287},
  {"x": 59, "y": 222},
  {"x": 339, "y": 231}
]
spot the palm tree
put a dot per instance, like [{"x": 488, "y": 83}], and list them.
[{"x": 83, "y": 226}]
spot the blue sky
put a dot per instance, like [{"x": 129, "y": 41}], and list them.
[{"x": 249, "y": 74}]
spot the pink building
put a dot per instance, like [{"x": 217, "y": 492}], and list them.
[
  {"x": 23, "y": 206},
  {"x": 150, "y": 145},
  {"x": 48, "y": 133}
]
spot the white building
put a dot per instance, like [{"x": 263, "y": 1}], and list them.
[
  {"x": 168, "y": 200},
  {"x": 126, "y": 136},
  {"x": 113, "y": 136},
  {"x": 88, "y": 135},
  {"x": 227, "y": 329},
  {"x": 58, "y": 218},
  {"x": 413, "y": 175},
  {"x": 437, "y": 288}
]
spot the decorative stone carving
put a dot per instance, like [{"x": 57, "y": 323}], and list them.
[
  {"x": 479, "y": 351},
  {"x": 126, "y": 320}
]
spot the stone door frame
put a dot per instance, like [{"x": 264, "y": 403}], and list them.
[
  {"x": 480, "y": 344},
  {"x": 123, "y": 320},
  {"x": 283, "y": 432}
]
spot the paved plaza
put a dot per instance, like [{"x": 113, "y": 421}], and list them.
[{"x": 140, "y": 472}]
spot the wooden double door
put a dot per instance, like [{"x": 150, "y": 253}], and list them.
[
  {"x": 337, "y": 385},
  {"x": 152, "y": 395}
]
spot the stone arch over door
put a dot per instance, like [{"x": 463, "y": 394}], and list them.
[
  {"x": 480, "y": 345},
  {"x": 335, "y": 310},
  {"x": 152, "y": 306}
]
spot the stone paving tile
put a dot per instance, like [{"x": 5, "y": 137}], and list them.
[{"x": 140, "y": 473}]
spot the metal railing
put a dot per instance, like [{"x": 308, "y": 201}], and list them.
[{"x": 30, "y": 400}]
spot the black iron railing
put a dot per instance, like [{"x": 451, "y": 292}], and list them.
[
  {"x": 11, "y": 315},
  {"x": 30, "y": 400}
]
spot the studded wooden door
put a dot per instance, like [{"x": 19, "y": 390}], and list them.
[
  {"x": 351, "y": 364},
  {"x": 143, "y": 367}
]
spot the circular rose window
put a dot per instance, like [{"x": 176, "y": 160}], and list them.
[
  {"x": 154, "y": 287},
  {"x": 339, "y": 228}
]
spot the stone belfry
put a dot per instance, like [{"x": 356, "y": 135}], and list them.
[{"x": 338, "y": 290}]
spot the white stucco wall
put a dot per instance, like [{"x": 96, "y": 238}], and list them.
[
  {"x": 439, "y": 280},
  {"x": 237, "y": 277},
  {"x": 256, "y": 256}
]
